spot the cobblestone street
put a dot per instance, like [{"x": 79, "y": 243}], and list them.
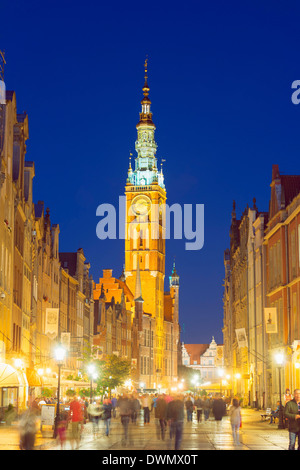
[{"x": 254, "y": 435}]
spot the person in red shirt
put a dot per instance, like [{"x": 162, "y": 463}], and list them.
[
  {"x": 76, "y": 416},
  {"x": 288, "y": 396}
]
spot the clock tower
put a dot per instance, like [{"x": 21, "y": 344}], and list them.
[{"x": 145, "y": 226}]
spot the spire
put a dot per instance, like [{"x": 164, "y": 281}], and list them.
[
  {"x": 138, "y": 284},
  {"x": 146, "y": 88},
  {"x": 233, "y": 213},
  {"x": 146, "y": 115},
  {"x": 145, "y": 171},
  {"x": 129, "y": 170},
  {"x": 174, "y": 278}
]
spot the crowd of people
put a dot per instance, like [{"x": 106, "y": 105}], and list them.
[{"x": 167, "y": 411}]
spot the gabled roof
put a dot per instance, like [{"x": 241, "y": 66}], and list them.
[
  {"x": 195, "y": 351},
  {"x": 69, "y": 261}
]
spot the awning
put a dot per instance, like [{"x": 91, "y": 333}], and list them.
[
  {"x": 10, "y": 377},
  {"x": 215, "y": 386},
  {"x": 33, "y": 378}
]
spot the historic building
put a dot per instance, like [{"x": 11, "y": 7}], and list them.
[
  {"x": 80, "y": 317},
  {"x": 237, "y": 361},
  {"x": 154, "y": 312},
  {"x": 40, "y": 301},
  {"x": 282, "y": 243},
  {"x": 261, "y": 295},
  {"x": 145, "y": 257},
  {"x": 206, "y": 360}
]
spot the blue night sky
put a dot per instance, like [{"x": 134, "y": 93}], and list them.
[{"x": 220, "y": 76}]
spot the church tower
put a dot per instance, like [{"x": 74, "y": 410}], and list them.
[{"x": 145, "y": 229}]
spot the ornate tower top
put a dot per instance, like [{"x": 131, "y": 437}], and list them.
[
  {"x": 145, "y": 172},
  {"x": 174, "y": 278}
]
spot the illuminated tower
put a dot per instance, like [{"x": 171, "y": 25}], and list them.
[{"x": 145, "y": 231}]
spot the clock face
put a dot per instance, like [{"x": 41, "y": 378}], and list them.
[{"x": 141, "y": 205}]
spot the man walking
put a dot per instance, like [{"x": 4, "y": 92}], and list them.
[
  {"x": 175, "y": 415},
  {"x": 76, "y": 415},
  {"x": 292, "y": 413},
  {"x": 125, "y": 410}
]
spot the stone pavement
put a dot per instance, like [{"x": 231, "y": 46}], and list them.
[{"x": 255, "y": 435}]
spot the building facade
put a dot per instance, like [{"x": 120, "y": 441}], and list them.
[
  {"x": 265, "y": 283},
  {"x": 207, "y": 360},
  {"x": 33, "y": 284}
]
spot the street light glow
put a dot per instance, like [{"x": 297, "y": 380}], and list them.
[
  {"x": 60, "y": 353},
  {"x": 279, "y": 358},
  {"x": 91, "y": 369}
]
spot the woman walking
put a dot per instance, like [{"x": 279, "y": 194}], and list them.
[{"x": 235, "y": 420}]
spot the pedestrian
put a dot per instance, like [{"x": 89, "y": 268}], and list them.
[
  {"x": 94, "y": 412},
  {"x": 235, "y": 420},
  {"x": 106, "y": 416},
  {"x": 76, "y": 416},
  {"x": 114, "y": 405},
  {"x": 35, "y": 406},
  {"x": 292, "y": 413},
  {"x": 28, "y": 429},
  {"x": 189, "y": 408},
  {"x": 219, "y": 409},
  {"x": 206, "y": 408},
  {"x": 135, "y": 405},
  {"x": 161, "y": 417},
  {"x": 275, "y": 413},
  {"x": 175, "y": 416},
  {"x": 62, "y": 428},
  {"x": 125, "y": 411},
  {"x": 146, "y": 408},
  {"x": 199, "y": 407},
  {"x": 287, "y": 396}
]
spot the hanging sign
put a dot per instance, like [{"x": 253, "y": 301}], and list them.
[
  {"x": 271, "y": 320},
  {"x": 241, "y": 337},
  {"x": 51, "y": 327}
]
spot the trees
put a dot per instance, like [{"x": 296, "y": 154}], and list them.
[
  {"x": 110, "y": 372},
  {"x": 113, "y": 372}
]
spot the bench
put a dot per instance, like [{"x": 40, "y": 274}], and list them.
[{"x": 267, "y": 414}]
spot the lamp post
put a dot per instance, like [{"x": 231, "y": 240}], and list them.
[
  {"x": 221, "y": 374},
  {"x": 195, "y": 382},
  {"x": 60, "y": 354},
  {"x": 93, "y": 375},
  {"x": 280, "y": 360}
]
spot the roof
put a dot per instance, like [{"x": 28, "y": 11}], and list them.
[
  {"x": 195, "y": 351},
  {"x": 291, "y": 185},
  {"x": 39, "y": 209},
  {"x": 168, "y": 307},
  {"x": 69, "y": 261}
]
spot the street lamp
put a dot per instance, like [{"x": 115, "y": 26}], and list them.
[
  {"x": 279, "y": 358},
  {"x": 60, "y": 354},
  {"x": 93, "y": 375},
  {"x": 221, "y": 374},
  {"x": 195, "y": 382}
]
